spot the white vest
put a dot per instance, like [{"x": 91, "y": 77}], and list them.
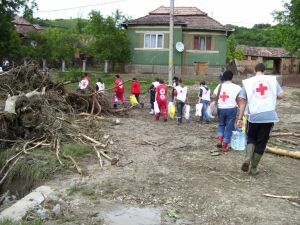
[
  {"x": 101, "y": 87},
  {"x": 228, "y": 94},
  {"x": 155, "y": 84},
  {"x": 181, "y": 93},
  {"x": 205, "y": 94},
  {"x": 261, "y": 93},
  {"x": 83, "y": 84}
]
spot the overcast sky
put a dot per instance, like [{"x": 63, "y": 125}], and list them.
[{"x": 238, "y": 12}]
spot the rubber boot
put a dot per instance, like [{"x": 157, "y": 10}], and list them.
[
  {"x": 225, "y": 147},
  {"x": 115, "y": 106},
  {"x": 254, "y": 164},
  {"x": 249, "y": 154},
  {"x": 220, "y": 140}
]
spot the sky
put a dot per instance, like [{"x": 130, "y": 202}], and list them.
[{"x": 244, "y": 13}]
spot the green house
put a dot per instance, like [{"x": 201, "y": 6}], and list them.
[{"x": 199, "y": 42}]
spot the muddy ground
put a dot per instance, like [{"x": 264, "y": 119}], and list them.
[{"x": 166, "y": 175}]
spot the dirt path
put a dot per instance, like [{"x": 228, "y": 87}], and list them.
[{"x": 174, "y": 175}]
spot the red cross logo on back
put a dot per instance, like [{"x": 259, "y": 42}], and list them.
[
  {"x": 261, "y": 89},
  {"x": 224, "y": 96}
]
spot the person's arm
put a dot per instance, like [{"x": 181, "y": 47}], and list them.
[
  {"x": 200, "y": 95},
  {"x": 242, "y": 102},
  {"x": 280, "y": 93}
]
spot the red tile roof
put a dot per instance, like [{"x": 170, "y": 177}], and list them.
[
  {"x": 265, "y": 52},
  {"x": 191, "y": 18}
]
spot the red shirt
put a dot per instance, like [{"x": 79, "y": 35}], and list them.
[
  {"x": 135, "y": 87},
  {"x": 162, "y": 92},
  {"x": 119, "y": 86}
]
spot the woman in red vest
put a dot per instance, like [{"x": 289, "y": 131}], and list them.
[{"x": 161, "y": 96}]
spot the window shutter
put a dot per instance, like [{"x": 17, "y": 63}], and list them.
[
  {"x": 208, "y": 43},
  {"x": 196, "y": 43}
]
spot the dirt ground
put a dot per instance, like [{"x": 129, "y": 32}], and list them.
[{"x": 166, "y": 175}]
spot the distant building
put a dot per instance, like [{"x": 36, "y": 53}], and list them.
[
  {"x": 199, "y": 42},
  {"x": 283, "y": 63},
  {"x": 24, "y": 28}
]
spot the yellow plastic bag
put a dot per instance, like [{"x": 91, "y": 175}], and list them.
[
  {"x": 172, "y": 111},
  {"x": 133, "y": 100}
]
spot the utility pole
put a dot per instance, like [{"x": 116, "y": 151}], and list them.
[{"x": 171, "y": 63}]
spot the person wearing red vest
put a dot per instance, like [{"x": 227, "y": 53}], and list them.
[
  {"x": 136, "y": 89},
  {"x": 258, "y": 97},
  {"x": 119, "y": 91},
  {"x": 161, "y": 96}
]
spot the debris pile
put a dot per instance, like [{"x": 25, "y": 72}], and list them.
[{"x": 41, "y": 113}]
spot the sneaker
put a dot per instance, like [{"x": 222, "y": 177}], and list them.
[
  {"x": 225, "y": 147},
  {"x": 151, "y": 112},
  {"x": 220, "y": 140}
]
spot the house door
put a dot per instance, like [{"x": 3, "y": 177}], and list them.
[{"x": 276, "y": 66}]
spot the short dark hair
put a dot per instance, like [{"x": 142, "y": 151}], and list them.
[
  {"x": 227, "y": 75},
  {"x": 202, "y": 82},
  {"x": 180, "y": 81},
  {"x": 100, "y": 80},
  {"x": 260, "y": 67},
  {"x": 117, "y": 76},
  {"x": 161, "y": 81},
  {"x": 157, "y": 79},
  {"x": 175, "y": 78},
  {"x": 134, "y": 78}
]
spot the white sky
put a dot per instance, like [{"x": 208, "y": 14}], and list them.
[{"x": 238, "y": 12}]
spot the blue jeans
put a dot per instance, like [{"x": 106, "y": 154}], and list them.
[
  {"x": 205, "y": 103},
  {"x": 226, "y": 123},
  {"x": 179, "y": 109}
]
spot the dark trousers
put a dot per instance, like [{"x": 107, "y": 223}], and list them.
[
  {"x": 137, "y": 96},
  {"x": 259, "y": 134},
  {"x": 152, "y": 99},
  {"x": 179, "y": 109}
]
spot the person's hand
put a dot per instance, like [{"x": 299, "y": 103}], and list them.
[{"x": 239, "y": 123}]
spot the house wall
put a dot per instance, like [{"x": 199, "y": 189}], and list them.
[{"x": 157, "y": 60}]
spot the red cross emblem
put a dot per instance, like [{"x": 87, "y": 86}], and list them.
[
  {"x": 261, "y": 89},
  {"x": 224, "y": 96}
]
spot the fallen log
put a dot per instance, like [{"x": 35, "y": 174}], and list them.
[
  {"x": 285, "y": 134},
  {"x": 288, "y": 197},
  {"x": 283, "y": 152}
]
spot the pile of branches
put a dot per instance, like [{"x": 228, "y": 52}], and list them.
[{"x": 41, "y": 113}]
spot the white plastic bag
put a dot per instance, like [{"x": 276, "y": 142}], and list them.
[
  {"x": 187, "y": 110},
  {"x": 156, "y": 108},
  {"x": 198, "y": 109},
  {"x": 208, "y": 110},
  {"x": 169, "y": 106}
]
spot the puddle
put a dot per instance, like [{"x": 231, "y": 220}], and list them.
[{"x": 133, "y": 216}]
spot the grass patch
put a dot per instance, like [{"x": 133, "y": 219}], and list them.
[
  {"x": 76, "y": 149},
  {"x": 296, "y": 95},
  {"x": 29, "y": 171}
]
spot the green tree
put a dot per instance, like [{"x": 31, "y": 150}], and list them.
[
  {"x": 10, "y": 42},
  {"x": 233, "y": 51},
  {"x": 109, "y": 41},
  {"x": 288, "y": 30}
]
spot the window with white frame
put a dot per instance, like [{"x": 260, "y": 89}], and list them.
[{"x": 153, "y": 40}]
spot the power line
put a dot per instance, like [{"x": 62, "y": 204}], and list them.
[{"x": 78, "y": 7}]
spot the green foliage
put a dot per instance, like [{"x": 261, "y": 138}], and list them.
[
  {"x": 76, "y": 149},
  {"x": 109, "y": 42},
  {"x": 233, "y": 51},
  {"x": 288, "y": 30}
]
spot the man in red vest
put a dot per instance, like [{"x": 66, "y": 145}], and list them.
[
  {"x": 161, "y": 96},
  {"x": 119, "y": 91}
]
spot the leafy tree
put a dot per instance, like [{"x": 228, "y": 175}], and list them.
[
  {"x": 288, "y": 30},
  {"x": 109, "y": 41},
  {"x": 233, "y": 51}
]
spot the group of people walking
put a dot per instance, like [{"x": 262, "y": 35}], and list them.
[{"x": 256, "y": 100}]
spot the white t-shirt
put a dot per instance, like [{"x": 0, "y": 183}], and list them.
[
  {"x": 181, "y": 93},
  {"x": 228, "y": 94}
]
